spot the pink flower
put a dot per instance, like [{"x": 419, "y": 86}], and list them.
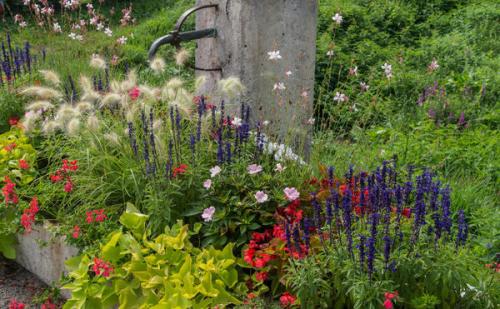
[
  {"x": 388, "y": 304},
  {"x": 76, "y": 231},
  {"x": 207, "y": 184},
  {"x": 208, "y": 214},
  {"x": 16, "y": 305},
  {"x": 134, "y": 93},
  {"x": 23, "y": 164},
  {"x": 254, "y": 169},
  {"x": 291, "y": 194},
  {"x": 261, "y": 197},
  {"x": 214, "y": 171}
]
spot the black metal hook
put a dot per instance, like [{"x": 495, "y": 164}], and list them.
[{"x": 175, "y": 37}]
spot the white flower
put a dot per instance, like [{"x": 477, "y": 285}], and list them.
[
  {"x": 337, "y": 18},
  {"x": 100, "y": 26},
  {"x": 279, "y": 86},
  {"x": 279, "y": 168},
  {"x": 79, "y": 37},
  {"x": 433, "y": 66},
  {"x": 387, "y": 70},
  {"x": 207, "y": 184},
  {"x": 330, "y": 53},
  {"x": 364, "y": 86},
  {"x": 23, "y": 24},
  {"x": 214, "y": 171},
  {"x": 265, "y": 123},
  {"x": 353, "y": 71},
  {"x": 261, "y": 197},
  {"x": 304, "y": 94},
  {"x": 254, "y": 169},
  {"x": 288, "y": 73},
  {"x": 107, "y": 31},
  {"x": 208, "y": 214},
  {"x": 57, "y": 28},
  {"x": 122, "y": 40},
  {"x": 274, "y": 55},
  {"x": 26, "y": 2},
  {"x": 94, "y": 20},
  {"x": 291, "y": 194},
  {"x": 340, "y": 97},
  {"x": 237, "y": 122},
  {"x": 311, "y": 121},
  {"x": 72, "y": 36}
]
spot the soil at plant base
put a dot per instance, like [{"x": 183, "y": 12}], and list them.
[{"x": 17, "y": 283}]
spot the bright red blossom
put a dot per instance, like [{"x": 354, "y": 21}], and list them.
[
  {"x": 76, "y": 232},
  {"x": 23, "y": 164},
  {"x": 102, "y": 268},
  {"x": 13, "y": 121},
  {"x": 134, "y": 93},
  {"x": 28, "y": 216},
  {"x": 8, "y": 192},
  {"x": 10, "y": 147},
  {"x": 262, "y": 276},
  {"x": 96, "y": 215},
  {"x": 181, "y": 169},
  {"x": 14, "y": 304},
  {"x": 287, "y": 299}
]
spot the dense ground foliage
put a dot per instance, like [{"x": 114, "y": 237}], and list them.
[{"x": 194, "y": 207}]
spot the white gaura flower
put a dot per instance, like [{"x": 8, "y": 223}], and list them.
[
  {"x": 57, "y": 28},
  {"x": 340, "y": 97},
  {"x": 122, "y": 40},
  {"x": 387, "y": 70},
  {"x": 279, "y": 86},
  {"x": 107, "y": 31},
  {"x": 214, "y": 171},
  {"x": 364, "y": 86},
  {"x": 330, "y": 53},
  {"x": 274, "y": 55},
  {"x": 100, "y": 26},
  {"x": 288, "y": 73},
  {"x": 433, "y": 66},
  {"x": 237, "y": 122},
  {"x": 279, "y": 168},
  {"x": 207, "y": 184},
  {"x": 337, "y": 18},
  {"x": 23, "y": 24},
  {"x": 311, "y": 121}
]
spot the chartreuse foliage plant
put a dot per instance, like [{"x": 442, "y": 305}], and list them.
[
  {"x": 17, "y": 160},
  {"x": 134, "y": 270}
]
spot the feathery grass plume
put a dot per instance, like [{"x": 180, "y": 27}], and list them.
[
  {"x": 43, "y": 93},
  {"x": 51, "y": 77},
  {"x": 30, "y": 119},
  {"x": 50, "y": 127},
  {"x": 73, "y": 127},
  {"x": 168, "y": 94},
  {"x": 130, "y": 115},
  {"x": 157, "y": 125},
  {"x": 89, "y": 94},
  {"x": 39, "y": 105},
  {"x": 158, "y": 65},
  {"x": 199, "y": 82},
  {"x": 115, "y": 86},
  {"x": 147, "y": 92},
  {"x": 113, "y": 138},
  {"x": 111, "y": 99},
  {"x": 182, "y": 56},
  {"x": 231, "y": 87},
  {"x": 93, "y": 123},
  {"x": 97, "y": 62},
  {"x": 66, "y": 112},
  {"x": 174, "y": 83},
  {"x": 130, "y": 82},
  {"x": 84, "y": 106}
]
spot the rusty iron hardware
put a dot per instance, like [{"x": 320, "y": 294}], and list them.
[{"x": 175, "y": 37}]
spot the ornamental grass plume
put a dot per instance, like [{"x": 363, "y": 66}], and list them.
[
  {"x": 158, "y": 65},
  {"x": 89, "y": 94},
  {"x": 182, "y": 56},
  {"x": 98, "y": 62},
  {"x": 73, "y": 127},
  {"x": 40, "y": 105},
  {"x": 231, "y": 87},
  {"x": 51, "y": 77},
  {"x": 111, "y": 99},
  {"x": 43, "y": 93}
]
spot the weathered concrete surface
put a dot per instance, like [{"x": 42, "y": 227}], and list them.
[
  {"x": 43, "y": 254},
  {"x": 246, "y": 31}
]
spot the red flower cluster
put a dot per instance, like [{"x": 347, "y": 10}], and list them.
[
  {"x": 388, "y": 299},
  {"x": 14, "y": 304},
  {"x": 10, "y": 147},
  {"x": 28, "y": 216},
  {"x": 97, "y": 215},
  {"x": 208, "y": 106},
  {"x": 102, "y": 268},
  {"x": 23, "y": 164},
  {"x": 13, "y": 120},
  {"x": 261, "y": 276},
  {"x": 8, "y": 191},
  {"x": 64, "y": 174},
  {"x": 292, "y": 213},
  {"x": 76, "y": 232},
  {"x": 181, "y": 169},
  {"x": 287, "y": 299},
  {"x": 48, "y": 305},
  {"x": 134, "y": 93},
  {"x": 256, "y": 255},
  {"x": 494, "y": 266}
]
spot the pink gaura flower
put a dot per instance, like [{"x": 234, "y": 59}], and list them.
[
  {"x": 207, "y": 184},
  {"x": 208, "y": 214},
  {"x": 291, "y": 194},
  {"x": 254, "y": 169},
  {"x": 261, "y": 197},
  {"x": 279, "y": 168},
  {"x": 214, "y": 171}
]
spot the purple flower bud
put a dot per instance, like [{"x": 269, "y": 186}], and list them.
[
  {"x": 445, "y": 208},
  {"x": 361, "y": 248},
  {"x": 307, "y": 235},
  {"x": 387, "y": 250},
  {"x": 463, "y": 229},
  {"x": 371, "y": 256},
  {"x": 133, "y": 141}
]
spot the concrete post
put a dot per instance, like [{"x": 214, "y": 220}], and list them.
[{"x": 246, "y": 31}]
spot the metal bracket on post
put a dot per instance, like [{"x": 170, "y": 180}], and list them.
[{"x": 175, "y": 37}]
